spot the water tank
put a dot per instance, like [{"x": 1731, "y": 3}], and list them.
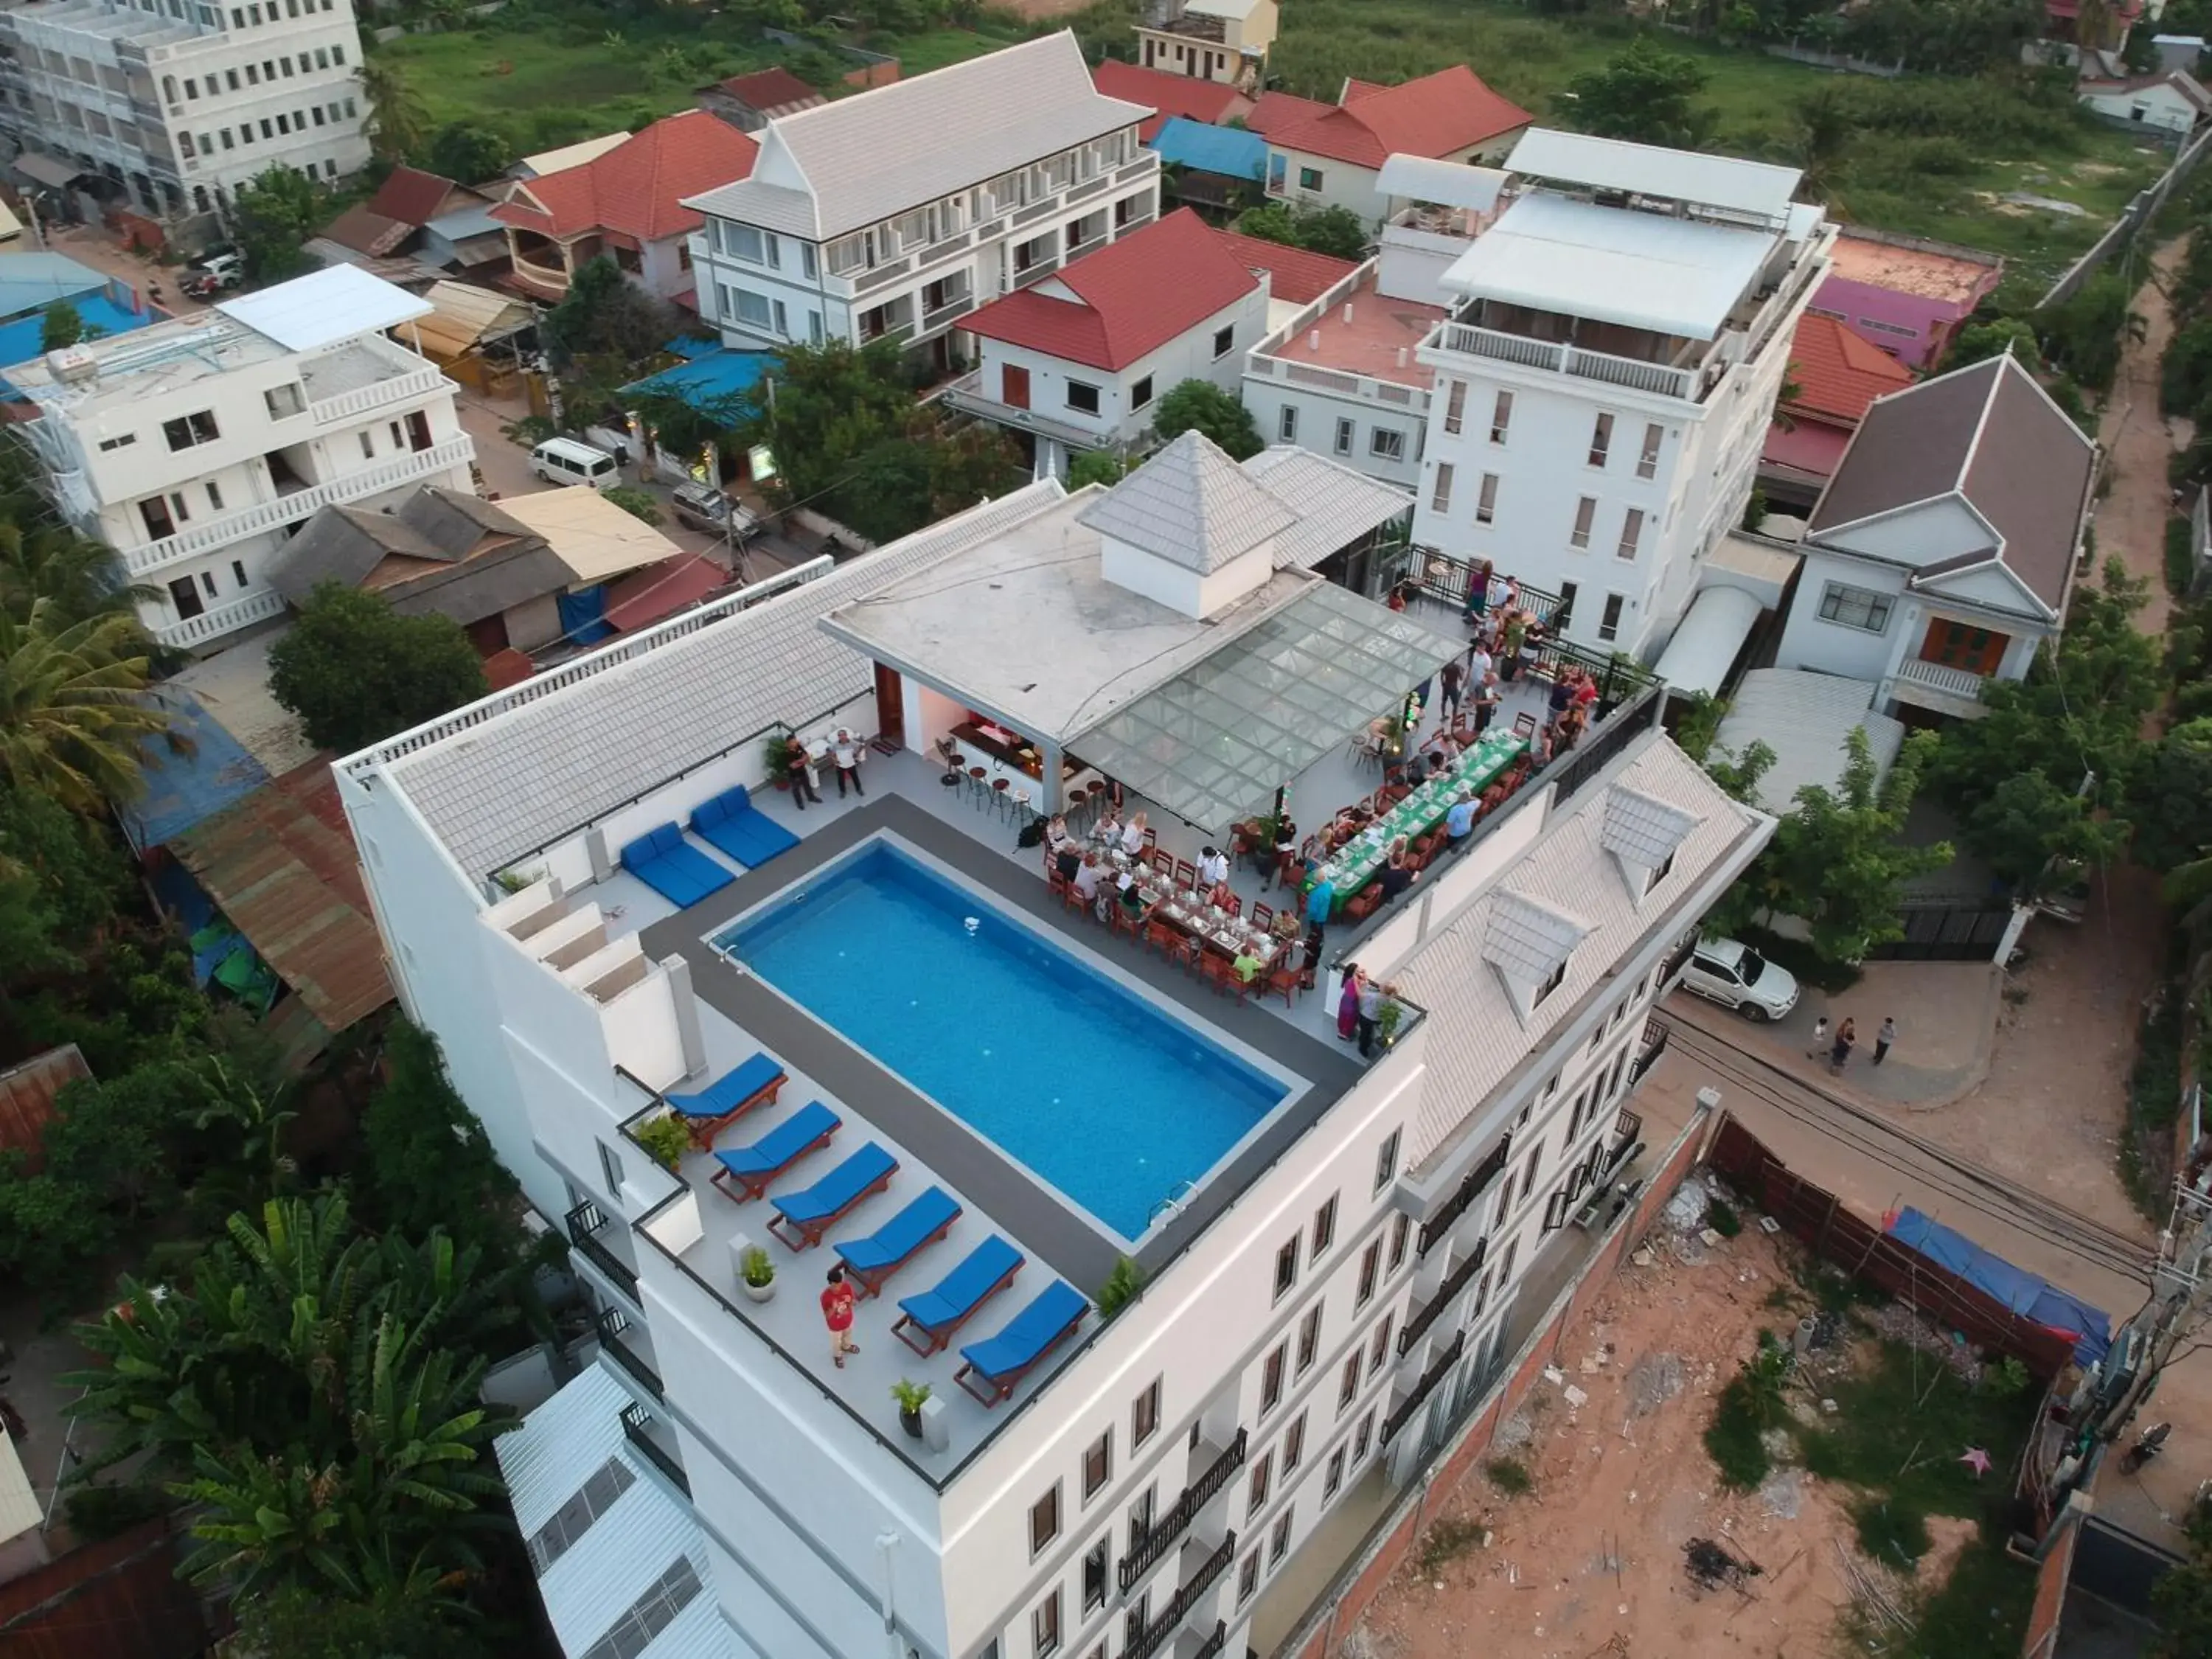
[{"x": 72, "y": 365}]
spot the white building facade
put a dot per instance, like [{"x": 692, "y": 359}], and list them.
[
  {"x": 195, "y": 446},
  {"x": 182, "y": 103},
  {"x": 1605, "y": 381},
  {"x": 893, "y": 214}
]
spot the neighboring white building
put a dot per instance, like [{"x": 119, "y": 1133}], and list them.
[
  {"x": 1603, "y": 386},
  {"x": 1335, "y": 158},
  {"x": 893, "y": 214},
  {"x": 1322, "y": 1303},
  {"x": 182, "y": 104},
  {"x": 194, "y": 447},
  {"x": 1223, "y": 40},
  {"x": 2170, "y": 101},
  {"x": 1942, "y": 553}
]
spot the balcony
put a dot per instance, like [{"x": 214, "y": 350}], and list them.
[
  {"x": 1036, "y": 271},
  {"x": 1938, "y": 688},
  {"x": 1143, "y": 1644},
  {"x": 1171, "y": 1525},
  {"x": 1439, "y": 1369},
  {"x": 1478, "y": 1181},
  {"x": 1650, "y": 1045},
  {"x": 623, "y": 1342},
  {"x": 967, "y": 394},
  {"x": 1661, "y": 380},
  {"x": 368, "y": 375},
  {"x": 647, "y": 1433},
  {"x": 585, "y": 1222},
  {"x": 1458, "y": 1280},
  {"x": 952, "y": 311},
  {"x": 455, "y": 452},
  {"x": 222, "y": 619},
  {"x": 546, "y": 282}
]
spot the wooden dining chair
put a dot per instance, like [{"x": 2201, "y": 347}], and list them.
[
  {"x": 1235, "y": 905},
  {"x": 1524, "y": 725},
  {"x": 1186, "y": 872},
  {"x": 1163, "y": 862},
  {"x": 1284, "y": 982},
  {"x": 1262, "y": 917},
  {"x": 1151, "y": 841}
]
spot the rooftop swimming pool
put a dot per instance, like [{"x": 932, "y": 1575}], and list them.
[{"x": 1104, "y": 1095}]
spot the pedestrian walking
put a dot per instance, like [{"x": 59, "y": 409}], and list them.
[
  {"x": 1819, "y": 1039},
  {"x": 1883, "y": 1038},
  {"x": 1453, "y": 676},
  {"x": 1839, "y": 1051},
  {"x": 837, "y": 1314}
]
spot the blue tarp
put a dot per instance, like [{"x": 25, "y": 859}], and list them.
[
  {"x": 710, "y": 381},
  {"x": 186, "y": 790},
  {"x": 2029, "y": 1297},
  {"x": 19, "y": 340},
  {"x": 584, "y": 615},
  {"x": 1225, "y": 150}
]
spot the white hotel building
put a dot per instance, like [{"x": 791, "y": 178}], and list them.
[
  {"x": 1323, "y": 1302},
  {"x": 893, "y": 214},
  {"x": 194, "y": 447},
  {"x": 181, "y": 101},
  {"x": 1618, "y": 332}
]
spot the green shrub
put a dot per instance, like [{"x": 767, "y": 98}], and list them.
[
  {"x": 99, "y": 1512},
  {"x": 1510, "y": 1475},
  {"x": 638, "y": 503},
  {"x": 2005, "y": 1380},
  {"x": 665, "y": 1138},
  {"x": 1749, "y": 1405},
  {"x": 2180, "y": 557},
  {"x": 1122, "y": 1288},
  {"x": 1720, "y": 1217},
  {"x": 530, "y": 431},
  {"x": 1889, "y": 1529}
]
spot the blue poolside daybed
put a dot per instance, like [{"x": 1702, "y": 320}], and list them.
[
  {"x": 929, "y": 1322},
  {"x": 751, "y": 1168},
  {"x": 679, "y": 872},
  {"x": 730, "y": 823},
  {"x": 801, "y": 1217},
  {"x": 727, "y": 1098},
  {"x": 1004, "y": 1360},
  {"x": 869, "y": 1261}
]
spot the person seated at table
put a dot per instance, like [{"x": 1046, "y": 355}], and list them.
[
  {"x": 1056, "y": 837},
  {"x": 1218, "y": 895},
  {"x": 1397, "y": 874},
  {"x": 1132, "y": 896},
  {"x": 1066, "y": 855},
  {"x": 1248, "y": 967},
  {"x": 1459, "y": 821},
  {"x": 1108, "y": 830},
  {"x": 1285, "y": 927},
  {"x": 1213, "y": 866},
  {"x": 1087, "y": 878},
  {"x": 1415, "y": 772},
  {"x": 1133, "y": 834}
]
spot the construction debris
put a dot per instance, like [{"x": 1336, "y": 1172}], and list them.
[{"x": 1713, "y": 1566}]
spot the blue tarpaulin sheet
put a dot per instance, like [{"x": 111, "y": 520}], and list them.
[
  {"x": 187, "y": 788},
  {"x": 1203, "y": 149},
  {"x": 709, "y": 383},
  {"x": 2029, "y": 1297},
  {"x": 584, "y": 615}
]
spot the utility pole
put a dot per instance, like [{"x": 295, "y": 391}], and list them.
[{"x": 2180, "y": 1302}]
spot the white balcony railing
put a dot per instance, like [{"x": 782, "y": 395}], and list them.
[
  {"x": 223, "y": 619},
  {"x": 1952, "y": 682},
  {"x": 1560, "y": 358},
  {"x": 410, "y": 387},
  {"x": 300, "y": 504}
]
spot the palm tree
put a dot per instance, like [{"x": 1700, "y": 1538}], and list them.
[
  {"x": 74, "y": 705},
  {"x": 399, "y": 123},
  {"x": 83, "y": 578}
]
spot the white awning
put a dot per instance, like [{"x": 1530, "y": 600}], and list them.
[
  {"x": 46, "y": 170},
  {"x": 1674, "y": 175},
  {"x": 1445, "y": 184},
  {"x": 1698, "y": 658},
  {"x": 340, "y": 302}
]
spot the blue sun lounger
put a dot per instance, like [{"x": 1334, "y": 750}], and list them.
[
  {"x": 749, "y": 1168},
  {"x": 679, "y": 872},
  {"x": 869, "y": 1261},
  {"x": 730, "y": 823},
  {"x": 929, "y": 1322},
  {"x": 727, "y": 1098},
  {"x": 801, "y": 1217},
  {"x": 1002, "y": 1361}
]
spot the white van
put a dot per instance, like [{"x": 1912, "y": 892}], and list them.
[{"x": 565, "y": 461}]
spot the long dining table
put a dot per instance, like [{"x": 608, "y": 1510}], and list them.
[
  {"x": 1352, "y": 866},
  {"x": 1169, "y": 901}
]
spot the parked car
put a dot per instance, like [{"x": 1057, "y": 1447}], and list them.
[
  {"x": 565, "y": 461},
  {"x": 1732, "y": 974},
  {"x": 703, "y": 507},
  {"x": 223, "y": 270}
]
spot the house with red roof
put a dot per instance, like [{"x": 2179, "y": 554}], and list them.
[
  {"x": 1077, "y": 360},
  {"x": 1834, "y": 377},
  {"x": 1332, "y": 158},
  {"x": 749, "y": 102},
  {"x": 627, "y": 203},
  {"x": 1210, "y": 101}
]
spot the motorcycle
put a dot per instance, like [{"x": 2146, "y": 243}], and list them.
[{"x": 2145, "y": 1447}]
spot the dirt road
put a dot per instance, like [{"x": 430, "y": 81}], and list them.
[{"x": 2130, "y": 520}]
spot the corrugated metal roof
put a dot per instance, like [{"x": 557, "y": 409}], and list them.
[
  {"x": 1335, "y": 505},
  {"x": 1189, "y": 504},
  {"x": 1706, "y": 641},
  {"x": 1677, "y": 175},
  {"x": 588, "y": 533},
  {"x": 1222, "y": 150},
  {"x": 1804, "y": 717},
  {"x": 186, "y": 786},
  {"x": 283, "y": 867},
  {"x": 1447, "y": 184},
  {"x": 339, "y": 302},
  {"x": 26, "y": 1098}
]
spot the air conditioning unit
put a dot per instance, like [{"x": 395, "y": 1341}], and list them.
[{"x": 72, "y": 365}]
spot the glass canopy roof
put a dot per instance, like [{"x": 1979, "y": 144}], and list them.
[{"x": 1212, "y": 744}]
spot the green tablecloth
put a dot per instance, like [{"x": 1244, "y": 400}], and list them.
[{"x": 1352, "y": 867}]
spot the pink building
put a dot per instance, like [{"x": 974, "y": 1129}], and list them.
[{"x": 1906, "y": 295}]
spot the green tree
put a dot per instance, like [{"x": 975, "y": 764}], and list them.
[
  {"x": 638, "y": 503},
  {"x": 61, "y": 876},
  {"x": 60, "y": 324},
  {"x": 604, "y": 314},
  {"x": 469, "y": 152},
  {"x": 354, "y": 671},
  {"x": 831, "y": 404},
  {"x": 274, "y": 215},
  {"x": 970, "y": 464},
  {"x": 1996, "y": 338},
  {"x": 1335, "y": 231},
  {"x": 1201, "y": 406},
  {"x": 2182, "y": 1599},
  {"x": 82, "y": 578},
  {"x": 1097, "y": 466},
  {"x": 291, "y": 1623},
  {"x": 1645, "y": 94},
  {"x": 399, "y": 121},
  {"x": 73, "y": 706}
]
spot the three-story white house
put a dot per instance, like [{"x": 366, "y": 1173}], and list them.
[
  {"x": 1619, "y": 334},
  {"x": 194, "y": 447},
  {"x": 893, "y": 214}
]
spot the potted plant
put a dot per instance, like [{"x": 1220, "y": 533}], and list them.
[
  {"x": 757, "y": 1274},
  {"x": 1386, "y": 1020},
  {"x": 665, "y": 1138},
  {"x": 784, "y": 753},
  {"x": 910, "y": 1396}
]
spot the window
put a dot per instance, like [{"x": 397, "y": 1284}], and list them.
[
  {"x": 368, "y": 445},
  {"x": 1440, "y": 491},
  {"x": 1555, "y": 1209},
  {"x": 1553, "y": 980},
  {"x": 1278, "y": 1541},
  {"x": 1505, "y": 1266},
  {"x": 752, "y": 308},
  {"x": 322, "y": 57},
  {"x": 1140, "y": 1517},
  {"x": 1401, "y": 1229},
  {"x": 1270, "y": 1379},
  {"x": 1654, "y": 877},
  {"x": 1145, "y": 1416},
  {"x": 1309, "y": 1340},
  {"x": 611, "y": 1169},
  {"x": 1333, "y": 1477},
  {"x": 1386, "y": 444},
  {"x": 1456, "y": 406},
  {"x": 1247, "y": 1578},
  {"x": 1309, "y": 178},
  {"x": 214, "y": 496},
  {"x": 238, "y": 569},
  {"x": 1286, "y": 424},
  {"x": 1094, "y": 1574},
  {"x": 1287, "y": 1268},
  {"x": 1083, "y": 398},
  {"x": 1647, "y": 464},
  {"x": 122, "y": 442},
  {"x": 231, "y": 76},
  {"x": 1378, "y": 1351},
  {"x": 1370, "y": 1268},
  {"x": 1585, "y": 511},
  {"x": 187, "y": 430},
  {"x": 1386, "y": 1161},
  {"x": 1344, "y": 433},
  {"x": 1294, "y": 1444},
  {"x": 1528, "y": 1170},
  {"x": 155, "y": 511},
  {"x": 1601, "y": 440},
  {"x": 1044, "y": 1625},
  {"x": 186, "y": 597},
  {"x": 1362, "y": 1436},
  {"x": 1501, "y": 417},
  {"x": 1098, "y": 1464},
  {"x": 1486, "y": 501},
  {"x": 1141, "y": 393},
  {"x": 806, "y": 260},
  {"x": 1347, "y": 1386},
  {"x": 1609, "y": 625},
  {"x": 1044, "y": 1521},
  {"x": 268, "y": 128},
  {"x": 1631, "y": 532},
  {"x": 1224, "y": 339},
  {"x": 814, "y": 327},
  {"x": 1855, "y": 607},
  {"x": 744, "y": 242},
  {"x": 224, "y": 133},
  {"x": 337, "y": 56},
  {"x": 1256, "y": 1495},
  {"x": 1324, "y": 1228}
]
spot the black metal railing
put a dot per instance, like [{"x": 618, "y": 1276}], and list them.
[
  {"x": 1162, "y": 1534},
  {"x": 586, "y": 1220},
  {"x": 1437, "y": 1371},
  {"x": 1671, "y": 970},
  {"x": 636, "y": 1426},
  {"x": 1211, "y": 1648},
  {"x": 1627, "y": 1126},
  {"x": 1449, "y": 580},
  {"x": 613, "y": 1321},
  {"x": 1478, "y": 1180},
  {"x": 1142, "y": 1644},
  {"x": 1455, "y": 1282},
  {"x": 1608, "y": 737},
  {"x": 1648, "y": 1050}
]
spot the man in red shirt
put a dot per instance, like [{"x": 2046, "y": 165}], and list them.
[{"x": 837, "y": 1314}]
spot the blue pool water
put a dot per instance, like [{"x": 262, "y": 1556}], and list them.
[{"x": 1104, "y": 1095}]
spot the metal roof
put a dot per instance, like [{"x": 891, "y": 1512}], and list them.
[
  {"x": 1706, "y": 641},
  {"x": 339, "y": 302},
  {"x": 1190, "y": 505},
  {"x": 30, "y": 282},
  {"x": 26, "y": 1098},
  {"x": 1335, "y": 505},
  {"x": 1679, "y": 276},
  {"x": 187, "y": 784},
  {"x": 1203, "y": 148},
  {"x": 1447, "y": 184},
  {"x": 588, "y": 533},
  {"x": 1214, "y": 744},
  {"x": 1678, "y": 175},
  {"x": 1804, "y": 718}
]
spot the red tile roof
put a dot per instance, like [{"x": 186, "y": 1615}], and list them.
[
  {"x": 1438, "y": 116},
  {"x": 1839, "y": 373},
  {"x": 365, "y": 230},
  {"x": 1272, "y": 110},
  {"x": 1356, "y": 89},
  {"x": 770, "y": 89},
  {"x": 507, "y": 667},
  {"x": 411, "y": 196},
  {"x": 1133, "y": 297},
  {"x": 660, "y": 591},
  {"x": 1168, "y": 95},
  {"x": 1294, "y": 274},
  {"x": 636, "y": 189}
]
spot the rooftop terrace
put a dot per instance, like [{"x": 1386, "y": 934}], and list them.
[{"x": 1355, "y": 331}]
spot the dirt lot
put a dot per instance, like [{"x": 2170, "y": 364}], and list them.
[{"x": 1592, "y": 1561}]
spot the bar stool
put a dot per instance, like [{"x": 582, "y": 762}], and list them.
[
  {"x": 999, "y": 788},
  {"x": 979, "y": 795},
  {"x": 1022, "y": 813}
]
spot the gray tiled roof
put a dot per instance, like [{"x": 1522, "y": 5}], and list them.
[
  {"x": 1335, "y": 505},
  {"x": 1527, "y": 940},
  {"x": 548, "y": 765},
  {"x": 1189, "y": 504},
  {"x": 1642, "y": 830},
  {"x": 865, "y": 159}
]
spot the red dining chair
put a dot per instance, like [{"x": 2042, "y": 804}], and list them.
[
  {"x": 1152, "y": 839},
  {"x": 1235, "y": 905},
  {"x": 1186, "y": 872},
  {"x": 1284, "y": 982},
  {"x": 1524, "y": 725},
  {"x": 1163, "y": 862},
  {"x": 1262, "y": 917}
]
